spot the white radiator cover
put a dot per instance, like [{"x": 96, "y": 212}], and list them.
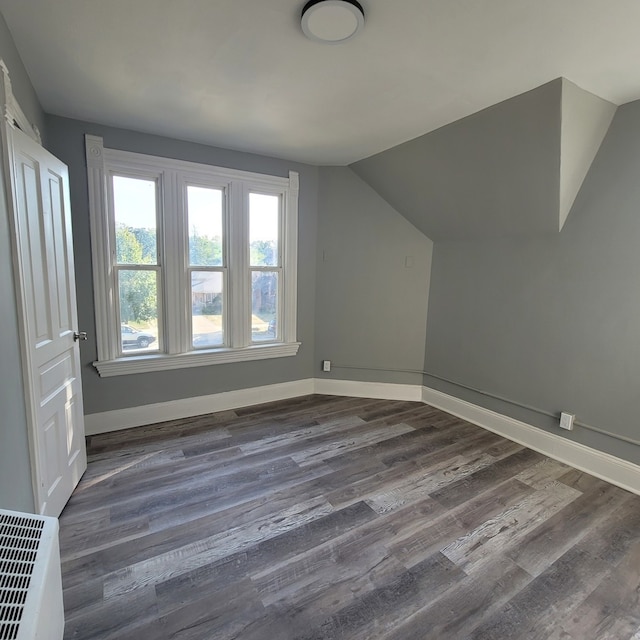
[{"x": 31, "y": 606}]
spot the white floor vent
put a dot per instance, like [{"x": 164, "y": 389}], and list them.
[{"x": 30, "y": 582}]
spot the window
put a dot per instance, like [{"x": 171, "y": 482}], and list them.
[{"x": 193, "y": 264}]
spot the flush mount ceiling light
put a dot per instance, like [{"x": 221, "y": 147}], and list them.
[{"x": 332, "y": 21}]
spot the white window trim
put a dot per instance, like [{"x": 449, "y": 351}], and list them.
[{"x": 178, "y": 355}]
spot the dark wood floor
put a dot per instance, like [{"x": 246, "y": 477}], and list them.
[{"x": 325, "y": 518}]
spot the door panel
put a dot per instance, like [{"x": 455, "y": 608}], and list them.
[
  {"x": 32, "y": 240},
  {"x": 50, "y": 456},
  {"x": 60, "y": 233},
  {"x": 43, "y": 222}
]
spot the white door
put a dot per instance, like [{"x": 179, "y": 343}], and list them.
[{"x": 48, "y": 307}]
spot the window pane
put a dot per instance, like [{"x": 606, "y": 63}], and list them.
[
  {"x": 264, "y": 214},
  {"x": 134, "y": 205},
  {"x": 138, "y": 291},
  {"x": 205, "y": 226},
  {"x": 207, "y": 308},
  {"x": 264, "y": 306}
]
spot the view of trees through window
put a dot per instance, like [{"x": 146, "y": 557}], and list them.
[
  {"x": 138, "y": 288},
  {"x": 206, "y": 259},
  {"x": 264, "y": 261},
  {"x": 193, "y": 264},
  {"x": 137, "y": 261},
  {"x": 138, "y": 269}
]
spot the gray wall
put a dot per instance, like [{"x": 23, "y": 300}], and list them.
[
  {"x": 372, "y": 284},
  {"x": 15, "y": 470},
  {"x": 552, "y": 322},
  {"x": 503, "y": 161},
  {"x": 20, "y": 82},
  {"x": 66, "y": 140}
]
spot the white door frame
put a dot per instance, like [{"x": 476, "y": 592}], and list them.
[{"x": 14, "y": 118}]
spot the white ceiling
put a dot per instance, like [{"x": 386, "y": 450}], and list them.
[{"x": 240, "y": 74}]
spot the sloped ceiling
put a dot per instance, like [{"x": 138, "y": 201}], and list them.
[{"x": 510, "y": 170}]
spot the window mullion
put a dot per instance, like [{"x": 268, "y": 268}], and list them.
[
  {"x": 239, "y": 277},
  {"x": 289, "y": 259},
  {"x": 175, "y": 276}
]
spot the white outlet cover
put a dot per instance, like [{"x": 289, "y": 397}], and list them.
[{"x": 566, "y": 420}]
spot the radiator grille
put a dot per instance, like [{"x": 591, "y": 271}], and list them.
[{"x": 19, "y": 541}]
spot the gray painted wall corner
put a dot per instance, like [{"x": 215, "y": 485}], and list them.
[
  {"x": 551, "y": 323},
  {"x": 372, "y": 284}
]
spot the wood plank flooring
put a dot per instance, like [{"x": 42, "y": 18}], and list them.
[{"x": 339, "y": 518}]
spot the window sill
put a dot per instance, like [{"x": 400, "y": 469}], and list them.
[{"x": 164, "y": 362}]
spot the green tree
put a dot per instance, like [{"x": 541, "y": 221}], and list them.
[
  {"x": 128, "y": 247},
  {"x": 137, "y": 288},
  {"x": 205, "y": 251},
  {"x": 147, "y": 240},
  {"x": 263, "y": 253}
]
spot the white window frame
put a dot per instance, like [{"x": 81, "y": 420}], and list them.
[{"x": 174, "y": 312}]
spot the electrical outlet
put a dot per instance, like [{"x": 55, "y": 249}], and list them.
[
  {"x": 566, "y": 420},
  {"x": 326, "y": 365}
]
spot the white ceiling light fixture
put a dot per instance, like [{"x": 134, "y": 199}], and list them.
[{"x": 332, "y": 21}]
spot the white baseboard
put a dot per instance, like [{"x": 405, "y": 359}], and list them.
[
  {"x": 95, "y": 423},
  {"x": 602, "y": 465},
  {"x": 355, "y": 389}
]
